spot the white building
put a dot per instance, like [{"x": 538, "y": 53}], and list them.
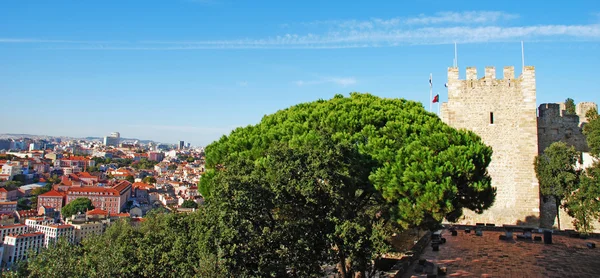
[
  {"x": 16, "y": 229},
  {"x": 85, "y": 230},
  {"x": 52, "y": 233},
  {"x": 11, "y": 169},
  {"x": 17, "y": 246},
  {"x": 112, "y": 140}
]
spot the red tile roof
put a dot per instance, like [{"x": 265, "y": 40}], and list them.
[
  {"x": 122, "y": 185},
  {"x": 85, "y": 175},
  {"x": 28, "y": 235},
  {"x": 97, "y": 211},
  {"x": 52, "y": 193},
  {"x": 11, "y": 226},
  {"x": 141, "y": 185},
  {"x": 3, "y": 190}
]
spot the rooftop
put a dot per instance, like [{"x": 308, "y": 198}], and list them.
[{"x": 469, "y": 255}]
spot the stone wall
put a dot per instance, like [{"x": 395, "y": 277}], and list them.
[
  {"x": 503, "y": 113},
  {"x": 555, "y": 125}
]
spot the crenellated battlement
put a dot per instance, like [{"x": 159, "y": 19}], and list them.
[{"x": 490, "y": 73}]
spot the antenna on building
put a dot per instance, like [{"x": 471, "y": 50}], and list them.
[
  {"x": 522, "y": 56},
  {"x": 455, "y": 56}
]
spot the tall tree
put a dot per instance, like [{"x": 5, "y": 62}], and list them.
[
  {"x": 570, "y": 106},
  {"x": 582, "y": 204},
  {"x": 79, "y": 205},
  {"x": 423, "y": 169},
  {"x": 591, "y": 130},
  {"x": 556, "y": 172}
]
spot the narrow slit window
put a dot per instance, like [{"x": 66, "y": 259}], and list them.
[{"x": 491, "y": 118}]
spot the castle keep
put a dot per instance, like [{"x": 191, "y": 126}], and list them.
[{"x": 503, "y": 113}]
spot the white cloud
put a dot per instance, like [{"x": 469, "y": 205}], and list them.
[
  {"x": 462, "y": 18},
  {"x": 440, "y": 28},
  {"x": 341, "y": 81},
  {"x": 469, "y": 17}
]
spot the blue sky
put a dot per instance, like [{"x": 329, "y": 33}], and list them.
[{"x": 193, "y": 70}]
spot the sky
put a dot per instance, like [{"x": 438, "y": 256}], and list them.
[{"x": 193, "y": 70}]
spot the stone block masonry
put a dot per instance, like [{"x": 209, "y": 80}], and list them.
[{"x": 503, "y": 113}]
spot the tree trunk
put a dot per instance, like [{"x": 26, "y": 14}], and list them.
[
  {"x": 557, "y": 211},
  {"x": 342, "y": 265}
]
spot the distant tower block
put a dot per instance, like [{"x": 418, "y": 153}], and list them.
[{"x": 503, "y": 113}]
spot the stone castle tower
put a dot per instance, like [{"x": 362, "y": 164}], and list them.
[{"x": 503, "y": 113}]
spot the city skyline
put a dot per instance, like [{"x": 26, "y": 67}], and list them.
[{"x": 194, "y": 70}]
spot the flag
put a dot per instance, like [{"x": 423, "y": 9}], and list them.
[
  {"x": 436, "y": 98},
  {"x": 430, "y": 82}
]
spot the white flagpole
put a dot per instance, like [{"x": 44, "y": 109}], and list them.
[
  {"x": 455, "y": 56},
  {"x": 430, "y": 91},
  {"x": 522, "y": 56}
]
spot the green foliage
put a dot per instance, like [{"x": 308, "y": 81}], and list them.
[
  {"x": 81, "y": 204},
  {"x": 130, "y": 178},
  {"x": 165, "y": 245},
  {"x": 591, "y": 130},
  {"x": 144, "y": 164},
  {"x": 424, "y": 168},
  {"x": 62, "y": 260},
  {"x": 326, "y": 169},
  {"x": 149, "y": 180},
  {"x": 592, "y": 114},
  {"x": 172, "y": 167},
  {"x": 556, "y": 173},
  {"x": 12, "y": 185},
  {"x": 41, "y": 190},
  {"x": 582, "y": 204},
  {"x": 570, "y": 106},
  {"x": 54, "y": 179},
  {"x": 23, "y": 204},
  {"x": 93, "y": 169},
  {"x": 189, "y": 204},
  {"x": 555, "y": 170}
]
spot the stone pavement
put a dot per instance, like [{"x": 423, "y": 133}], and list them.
[{"x": 468, "y": 255}]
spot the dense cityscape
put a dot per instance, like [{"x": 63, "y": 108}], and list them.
[{"x": 42, "y": 177}]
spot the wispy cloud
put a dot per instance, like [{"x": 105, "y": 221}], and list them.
[
  {"x": 243, "y": 83},
  {"x": 461, "y": 18},
  {"x": 341, "y": 81},
  {"x": 470, "y": 17},
  {"x": 439, "y": 28}
]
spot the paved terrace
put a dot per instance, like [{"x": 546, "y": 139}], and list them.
[{"x": 468, "y": 255}]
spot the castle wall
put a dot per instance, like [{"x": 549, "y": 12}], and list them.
[
  {"x": 511, "y": 102},
  {"x": 555, "y": 125}
]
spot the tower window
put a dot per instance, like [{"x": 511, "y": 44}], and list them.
[{"x": 491, "y": 118}]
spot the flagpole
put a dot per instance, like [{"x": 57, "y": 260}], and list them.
[
  {"x": 430, "y": 92},
  {"x": 522, "y": 56},
  {"x": 438, "y": 103}
]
